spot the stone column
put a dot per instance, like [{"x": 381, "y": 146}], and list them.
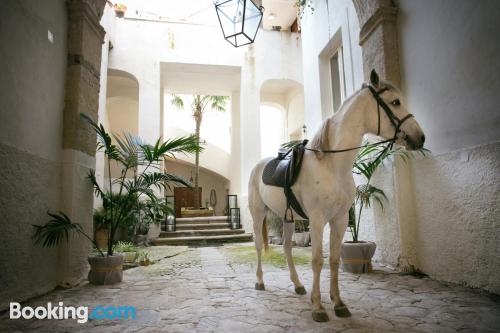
[
  {"x": 378, "y": 38},
  {"x": 379, "y": 41},
  {"x": 85, "y": 38},
  {"x": 249, "y": 130},
  {"x": 150, "y": 119}
]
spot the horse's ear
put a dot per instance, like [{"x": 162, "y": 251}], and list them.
[{"x": 374, "y": 78}]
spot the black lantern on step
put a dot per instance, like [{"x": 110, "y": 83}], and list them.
[{"x": 239, "y": 20}]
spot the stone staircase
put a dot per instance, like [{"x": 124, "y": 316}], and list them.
[{"x": 202, "y": 231}]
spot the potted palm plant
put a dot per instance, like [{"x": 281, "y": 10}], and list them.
[
  {"x": 121, "y": 195},
  {"x": 356, "y": 255}
]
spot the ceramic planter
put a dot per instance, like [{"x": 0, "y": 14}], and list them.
[
  {"x": 129, "y": 257},
  {"x": 357, "y": 257},
  {"x": 106, "y": 270},
  {"x": 302, "y": 238}
]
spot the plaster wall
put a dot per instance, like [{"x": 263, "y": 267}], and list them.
[
  {"x": 31, "y": 120},
  {"x": 333, "y": 23},
  {"x": 451, "y": 83}
]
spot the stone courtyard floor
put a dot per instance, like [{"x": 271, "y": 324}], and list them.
[{"x": 211, "y": 289}]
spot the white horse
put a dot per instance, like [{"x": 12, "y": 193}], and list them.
[{"x": 325, "y": 187}]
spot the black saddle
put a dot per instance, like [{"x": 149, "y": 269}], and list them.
[{"x": 283, "y": 171}]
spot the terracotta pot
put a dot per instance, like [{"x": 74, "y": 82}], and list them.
[
  {"x": 302, "y": 238},
  {"x": 357, "y": 257},
  {"x": 106, "y": 270}
]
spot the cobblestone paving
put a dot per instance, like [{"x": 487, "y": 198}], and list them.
[{"x": 199, "y": 290}]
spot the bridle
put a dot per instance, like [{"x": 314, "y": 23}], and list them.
[{"x": 395, "y": 121}]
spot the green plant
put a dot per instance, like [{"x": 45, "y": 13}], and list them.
[
  {"x": 301, "y": 225},
  {"x": 57, "y": 229},
  {"x": 367, "y": 161},
  {"x": 144, "y": 259},
  {"x": 199, "y": 105},
  {"x": 301, "y": 5},
  {"x": 130, "y": 153},
  {"x": 125, "y": 247}
]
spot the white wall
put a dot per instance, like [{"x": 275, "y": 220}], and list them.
[
  {"x": 31, "y": 120},
  {"x": 451, "y": 82},
  {"x": 330, "y": 24}
]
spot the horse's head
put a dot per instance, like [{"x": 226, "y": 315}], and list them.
[{"x": 389, "y": 117}]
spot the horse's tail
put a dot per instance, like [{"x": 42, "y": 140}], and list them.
[{"x": 265, "y": 235}]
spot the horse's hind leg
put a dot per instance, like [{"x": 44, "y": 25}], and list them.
[
  {"x": 288, "y": 230},
  {"x": 258, "y": 210},
  {"x": 337, "y": 231}
]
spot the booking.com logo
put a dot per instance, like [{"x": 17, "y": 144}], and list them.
[{"x": 80, "y": 313}]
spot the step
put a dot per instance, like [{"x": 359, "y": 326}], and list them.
[
  {"x": 199, "y": 220},
  {"x": 202, "y": 226},
  {"x": 189, "y": 233},
  {"x": 203, "y": 240}
]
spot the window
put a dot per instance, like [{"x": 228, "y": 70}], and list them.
[{"x": 337, "y": 79}]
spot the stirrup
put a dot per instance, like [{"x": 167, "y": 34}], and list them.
[{"x": 289, "y": 220}]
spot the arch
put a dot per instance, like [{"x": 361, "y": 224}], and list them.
[
  {"x": 287, "y": 95},
  {"x": 209, "y": 180},
  {"x": 122, "y": 83}
]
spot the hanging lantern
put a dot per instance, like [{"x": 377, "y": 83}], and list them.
[{"x": 239, "y": 20}]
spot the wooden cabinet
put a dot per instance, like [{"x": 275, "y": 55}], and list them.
[{"x": 184, "y": 197}]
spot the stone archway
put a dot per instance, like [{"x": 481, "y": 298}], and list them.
[{"x": 378, "y": 38}]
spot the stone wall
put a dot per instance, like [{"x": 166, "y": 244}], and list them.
[
  {"x": 31, "y": 116},
  {"x": 46, "y": 152}
]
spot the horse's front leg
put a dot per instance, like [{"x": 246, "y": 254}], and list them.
[
  {"x": 337, "y": 231},
  {"x": 318, "y": 311}
]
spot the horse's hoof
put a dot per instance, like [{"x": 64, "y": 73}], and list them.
[
  {"x": 300, "y": 290},
  {"x": 259, "y": 286},
  {"x": 342, "y": 311},
  {"x": 320, "y": 316}
]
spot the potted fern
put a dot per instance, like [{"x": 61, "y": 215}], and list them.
[
  {"x": 356, "y": 255},
  {"x": 130, "y": 153}
]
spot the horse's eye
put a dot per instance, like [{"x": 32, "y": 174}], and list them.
[{"x": 396, "y": 102}]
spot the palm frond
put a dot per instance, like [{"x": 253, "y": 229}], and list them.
[
  {"x": 291, "y": 144},
  {"x": 366, "y": 193},
  {"x": 160, "y": 180},
  {"x": 219, "y": 103},
  {"x": 97, "y": 189},
  {"x": 185, "y": 145},
  {"x": 104, "y": 141},
  {"x": 129, "y": 148},
  {"x": 177, "y": 102},
  {"x": 56, "y": 230}
]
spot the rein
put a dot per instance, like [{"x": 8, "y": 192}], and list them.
[{"x": 395, "y": 121}]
